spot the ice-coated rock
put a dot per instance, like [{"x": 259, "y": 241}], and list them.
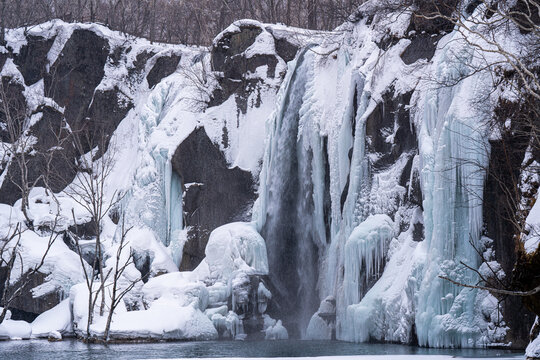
[
  {"x": 276, "y": 332},
  {"x": 236, "y": 246}
]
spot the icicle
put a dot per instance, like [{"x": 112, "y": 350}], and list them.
[{"x": 364, "y": 254}]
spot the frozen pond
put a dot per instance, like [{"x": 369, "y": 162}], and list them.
[{"x": 71, "y": 349}]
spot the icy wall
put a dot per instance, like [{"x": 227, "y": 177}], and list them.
[{"x": 382, "y": 149}]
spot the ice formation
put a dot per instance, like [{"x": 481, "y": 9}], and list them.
[{"x": 386, "y": 283}]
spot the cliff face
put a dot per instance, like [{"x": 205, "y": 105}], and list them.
[
  {"x": 184, "y": 125},
  {"x": 277, "y": 170}
]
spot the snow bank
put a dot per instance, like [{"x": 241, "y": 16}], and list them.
[
  {"x": 15, "y": 330},
  {"x": 57, "y": 319},
  {"x": 164, "y": 320}
]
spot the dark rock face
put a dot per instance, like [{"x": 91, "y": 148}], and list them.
[
  {"x": 164, "y": 67},
  {"x": 227, "y": 57},
  {"x": 25, "y": 307},
  {"x": 108, "y": 109},
  {"x": 389, "y": 132},
  {"x": 391, "y": 143},
  {"x": 285, "y": 49},
  {"x": 32, "y": 59},
  {"x": 16, "y": 103},
  {"x": 140, "y": 62},
  {"x": 75, "y": 75},
  {"x": 71, "y": 82},
  {"x": 233, "y": 44},
  {"x": 48, "y": 160},
  {"x": 214, "y": 193},
  {"x": 422, "y": 46},
  {"x": 506, "y": 157},
  {"x": 3, "y": 58},
  {"x": 423, "y": 22},
  {"x": 84, "y": 231}
]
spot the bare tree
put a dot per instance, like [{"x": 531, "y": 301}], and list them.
[
  {"x": 18, "y": 143},
  {"x": 89, "y": 191},
  {"x": 117, "y": 294}
]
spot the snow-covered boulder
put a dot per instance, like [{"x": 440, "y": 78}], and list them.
[
  {"x": 179, "y": 286},
  {"x": 276, "y": 332},
  {"x": 56, "y": 320},
  {"x": 164, "y": 320},
  {"x": 15, "y": 330},
  {"x": 236, "y": 247},
  {"x": 54, "y": 336},
  {"x": 323, "y": 322}
]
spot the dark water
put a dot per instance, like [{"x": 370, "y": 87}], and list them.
[{"x": 71, "y": 349}]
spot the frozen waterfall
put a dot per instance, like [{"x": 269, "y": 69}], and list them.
[
  {"x": 334, "y": 222},
  {"x": 291, "y": 214}
]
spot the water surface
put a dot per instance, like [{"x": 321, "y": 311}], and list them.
[{"x": 72, "y": 349}]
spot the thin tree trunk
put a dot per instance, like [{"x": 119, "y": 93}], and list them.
[
  {"x": 312, "y": 14},
  {"x": 6, "y": 284},
  {"x": 111, "y": 311},
  {"x": 3, "y": 22}
]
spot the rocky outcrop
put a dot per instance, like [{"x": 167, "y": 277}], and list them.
[
  {"x": 208, "y": 182},
  {"x": 26, "y": 307},
  {"x": 164, "y": 67},
  {"x": 73, "y": 94},
  {"x": 67, "y": 81},
  {"x": 500, "y": 216},
  {"x": 52, "y": 156},
  {"x": 76, "y": 74},
  {"x": 422, "y": 46},
  {"x": 207, "y": 178},
  {"x": 237, "y": 67}
]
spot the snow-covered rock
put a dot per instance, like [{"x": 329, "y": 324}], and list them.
[
  {"x": 15, "y": 330},
  {"x": 54, "y": 336},
  {"x": 236, "y": 247},
  {"x": 533, "y": 349},
  {"x": 276, "y": 332},
  {"x": 56, "y": 320},
  {"x": 165, "y": 319}
]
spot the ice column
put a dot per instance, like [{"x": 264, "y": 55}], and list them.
[
  {"x": 454, "y": 156},
  {"x": 155, "y": 201}
]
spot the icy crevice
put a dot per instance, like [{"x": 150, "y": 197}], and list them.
[{"x": 365, "y": 251}]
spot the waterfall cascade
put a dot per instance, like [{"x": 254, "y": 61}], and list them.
[{"x": 292, "y": 187}]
